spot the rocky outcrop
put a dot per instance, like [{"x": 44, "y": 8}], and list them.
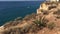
[{"x": 48, "y": 6}]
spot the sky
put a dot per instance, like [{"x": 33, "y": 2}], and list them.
[{"x": 21, "y": 0}]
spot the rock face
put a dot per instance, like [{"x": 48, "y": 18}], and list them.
[
  {"x": 46, "y": 21},
  {"x": 47, "y": 6}
]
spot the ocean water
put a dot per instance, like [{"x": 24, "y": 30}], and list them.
[{"x": 10, "y": 10}]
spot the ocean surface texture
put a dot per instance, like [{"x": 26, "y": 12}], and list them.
[{"x": 10, "y": 10}]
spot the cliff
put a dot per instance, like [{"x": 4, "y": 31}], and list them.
[{"x": 46, "y": 21}]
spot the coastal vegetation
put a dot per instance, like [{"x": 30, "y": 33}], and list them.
[{"x": 45, "y": 22}]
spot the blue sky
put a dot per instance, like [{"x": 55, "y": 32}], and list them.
[{"x": 21, "y": 0}]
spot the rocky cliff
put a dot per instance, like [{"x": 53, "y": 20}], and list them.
[{"x": 46, "y": 21}]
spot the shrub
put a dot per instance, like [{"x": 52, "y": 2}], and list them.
[
  {"x": 33, "y": 29},
  {"x": 40, "y": 24},
  {"x": 51, "y": 7},
  {"x": 28, "y": 17},
  {"x": 51, "y": 25},
  {"x": 57, "y": 12}
]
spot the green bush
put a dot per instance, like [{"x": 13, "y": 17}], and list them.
[{"x": 39, "y": 23}]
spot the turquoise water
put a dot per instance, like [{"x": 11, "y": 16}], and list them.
[{"x": 10, "y": 10}]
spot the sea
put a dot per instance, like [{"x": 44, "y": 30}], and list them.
[{"x": 9, "y": 10}]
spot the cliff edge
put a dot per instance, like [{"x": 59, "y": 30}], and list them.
[{"x": 46, "y": 21}]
